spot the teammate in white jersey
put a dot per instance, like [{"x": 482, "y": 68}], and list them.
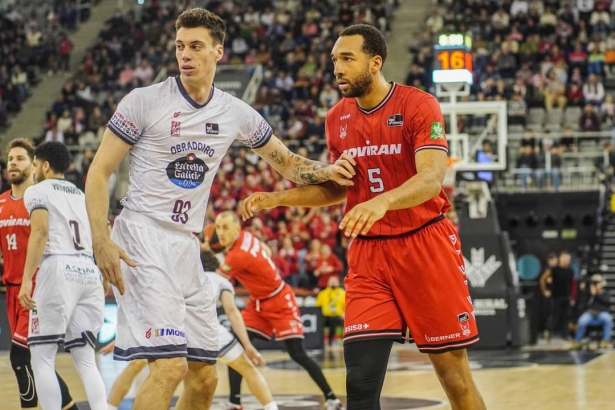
[
  {"x": 177, "y": 133},
  {"x": 68, "y": 303},
  {"x": 230, "y": 351}
]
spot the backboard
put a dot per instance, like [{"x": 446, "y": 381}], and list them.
[{"x": 477, "y": 134}]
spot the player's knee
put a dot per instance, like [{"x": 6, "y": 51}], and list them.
[
  {"x": 361, "y": 382},
  {"x": 202, "y": 379},
  {"x": 171, "y": 371},
  {"x": 242, "y": 365},
  {"x": 20, "y": 362},
  {"x": 296, "y": 350},
  {"x": 453, "y": 373}
]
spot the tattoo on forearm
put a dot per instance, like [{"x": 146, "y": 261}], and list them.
[
  {"x": 276, "y": 157},
  {"x": 297, "y": 168}
]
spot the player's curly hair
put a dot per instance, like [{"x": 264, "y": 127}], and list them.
[
  {"x": 56, "y": 154},
  {"x": 374, "y": 43},
  {"x": 198, "y": 17},
  {"x": 22, "y": 143},
  {"x": 210, "y": 262}
]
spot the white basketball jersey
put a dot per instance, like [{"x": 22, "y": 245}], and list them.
[
  {"x": 219, "y": 285},
  {"x": 177, "y": 146},
  {"x": 69, "y": 227}
]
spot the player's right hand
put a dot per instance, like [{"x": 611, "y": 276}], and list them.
[
  {"x": 107, "y": 255},
  {"x": 257, "y": 202},
  {"x": 254, "y": 356}
]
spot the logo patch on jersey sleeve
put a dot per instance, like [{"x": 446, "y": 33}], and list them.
[
  {"x": 436, "y": 131},
  {"x": 226, "y": 267},
  {"x": 395, "y": 120},
  {"x": 187, "y": 172},
  {"x": 212, "y": 128}
]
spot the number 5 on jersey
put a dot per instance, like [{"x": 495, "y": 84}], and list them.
[{"x": 376, "y": 183}]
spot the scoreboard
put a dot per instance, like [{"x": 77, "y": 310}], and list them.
[{"x": 453, "y": 59}]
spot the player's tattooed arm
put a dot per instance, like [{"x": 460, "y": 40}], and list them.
[{"x": 302, "y": 170}]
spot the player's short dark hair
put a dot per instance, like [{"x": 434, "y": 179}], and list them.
[
  {"x": 374, "y": 43},
  {"x": 210, "y": 262},
  {"x": 22, "y": 143},
  {"x": 56, "y": 154},
  {"x": 198, "y": 17}
]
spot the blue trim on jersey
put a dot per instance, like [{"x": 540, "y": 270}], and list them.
[
  {"x": 120, "y": 134},
  {"x": 265, "y": 140},
  {"x": 187, "y": 97}
]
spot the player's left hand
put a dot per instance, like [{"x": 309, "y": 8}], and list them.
[
  {"x": 25, "y": 295},
  {"x": 361, "y": 218},
  {"x": 255, "y": 356}
]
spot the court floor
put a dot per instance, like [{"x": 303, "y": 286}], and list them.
[{"x": 508, "y": 380}]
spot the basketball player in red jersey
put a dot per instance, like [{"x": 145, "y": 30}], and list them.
[
  {"x": 272, "y": 307},
  {"x": 14, "y": 235},
  {"x": 405, "y": 263}
]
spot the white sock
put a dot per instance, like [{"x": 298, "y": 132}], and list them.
[
  {"x": 110, "y": 407},
  {"x": 85, "y": 362},
  {"x": 271, "y": 406},
  {"x": 47, "y": 386}
]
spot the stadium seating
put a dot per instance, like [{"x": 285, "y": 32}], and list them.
[{"x": 292, "y": 41}]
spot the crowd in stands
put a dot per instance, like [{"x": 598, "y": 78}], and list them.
[
  {"x": 292, "y": 41},
  {"x": 555, "y": 56},
  {"x": 33, "y": 40}
]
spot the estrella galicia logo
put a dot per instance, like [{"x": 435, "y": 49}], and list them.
[
  {"x": 212, "y": 128},
  {"x": 187, "y": 172},
  {"x": 395, "y": 120}
]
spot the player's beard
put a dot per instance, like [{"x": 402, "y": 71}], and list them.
[
  {"x": 360, "y": 86},
  {"x": 18, "y": 179}
]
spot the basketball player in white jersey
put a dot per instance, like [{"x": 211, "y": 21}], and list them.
[
  {"x": 68, "y": 304},
  {"x": 177, "y": 133},
  {"x": 230, "y": 351}
]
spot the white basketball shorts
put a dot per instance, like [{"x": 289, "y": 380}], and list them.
[
  {"x": 168, "y": 308},
  {"x": 70, "y": 302}
]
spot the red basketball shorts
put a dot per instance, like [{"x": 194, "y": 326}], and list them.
[
  {"x": 414, "y": 281},
  {"x": 278, "y": 314},
  {"x": 18, "y": 316}
]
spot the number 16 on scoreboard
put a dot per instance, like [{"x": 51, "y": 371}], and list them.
[{"x": 453, "y": 59}]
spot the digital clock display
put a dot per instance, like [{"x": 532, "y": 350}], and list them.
[{"x": 453, "y": 59}]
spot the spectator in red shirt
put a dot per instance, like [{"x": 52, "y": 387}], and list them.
[
  {"x": 261, "y": 231},
  {"x": 328, "y": 265},
  {"x": 326, "y": 231},
  {"x": 290, "y": 255},
  {"x": 311, "y": 261},
  {"x": 284, "y": 267}
]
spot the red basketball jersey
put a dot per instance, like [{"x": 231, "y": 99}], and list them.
[
  {"x": 250, "y": 264},
  {"x": 14, "y": 235},
  {"x": 383, "y": 141}
]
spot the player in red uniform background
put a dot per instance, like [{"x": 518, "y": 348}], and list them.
[
  {"x": 405, "y": 263},
  {"x": 272, "y": 308},
  {"x": 14, "y": 235}
]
